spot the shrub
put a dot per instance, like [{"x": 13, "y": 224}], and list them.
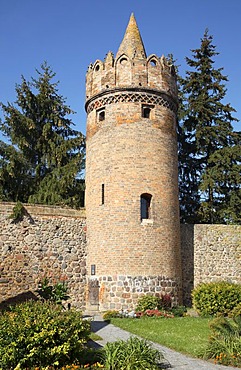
[
  {"x": 166, "y": 301},
  {"x": 179, "y": 311},
  {"x": 236, "y": 311},
  {"x": 54, "y": 291},
  {"x": 216, "y": 298},
  {"x": 111, "y": 314},
  {"x": 41, "y": 334},
  {"x": 134, "y": 354},
  {"x": 148, "y": 302},
  {"x": 224, "y": 343}
]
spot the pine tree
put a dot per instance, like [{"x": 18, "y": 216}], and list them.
[
  {"x": 45, "y": 157},
  {"x": 206, "y": 130}
]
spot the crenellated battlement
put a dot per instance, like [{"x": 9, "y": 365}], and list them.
[{"x": 149, "y": 72}]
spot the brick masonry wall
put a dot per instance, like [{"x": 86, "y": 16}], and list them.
[
  {"x": 132, "y": 156},
  {"x": 49, "y": 241}
]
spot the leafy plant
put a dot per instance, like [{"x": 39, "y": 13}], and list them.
[
  {"x": 166, "y": 301},
  {"x": 53, "y": 291},
  {"x": 179, "y": 311},
  {"x": 148, "y": 302},
  {"x": 110, "y": 314},
  {"x": 224, "y": 343},
  {"x": 236, "y": 311},
  {"x": 216, "y": 298},
  {"x": 133, "y": 354},
  {"x": 41, "y": 334}
]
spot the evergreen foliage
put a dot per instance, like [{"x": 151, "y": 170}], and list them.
[
  {"x": 43, "y": 160},
  {"x": 209, "y": 149}
]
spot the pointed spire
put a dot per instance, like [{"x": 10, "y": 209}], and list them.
[{"x": 132, "y": 44}]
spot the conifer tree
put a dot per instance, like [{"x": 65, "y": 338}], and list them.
[
  {"x": 206, "y": 132},
  {"x": 188, "y": 189},
  {"x": 45, "y": 157}
]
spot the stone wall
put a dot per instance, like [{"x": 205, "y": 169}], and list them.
[
  {"x": 210, "y": 253},
  {"x": 49, "y": 241},
  {"x": 52, "y": 240}
]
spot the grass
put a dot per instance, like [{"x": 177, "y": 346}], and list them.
[
  {"x": 94, "y": 336},
  {"x": 188, "y": 335}
]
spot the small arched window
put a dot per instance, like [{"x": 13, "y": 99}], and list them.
[
  {"x": 123, "y": 61},
  {"x": 153, "y": 62},
  {"x": 145, "y": 206},
  {"x": 100, "y": 114}
]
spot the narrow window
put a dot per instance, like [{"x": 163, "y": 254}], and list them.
[
  {"x": 146, "y": 111},
  {"x": 101, "y": 115},
  {"x": 145, "y": 206},
  {"x": 103, "y": 194}
]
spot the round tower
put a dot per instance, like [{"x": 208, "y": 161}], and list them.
[{"x": 133, "y": 238}]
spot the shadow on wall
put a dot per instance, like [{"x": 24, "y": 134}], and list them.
[
  {"x": 187, "y": 251},
  {"x": 20, "y": 298}
]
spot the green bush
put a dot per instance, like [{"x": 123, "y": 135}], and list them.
[
  {"x": 134, "y": 354},
  {"x": 179, "y": 311},
  {"x": 224, "y": 343},
  {"x": 110, "y": 314},
  {"x": 147, "y": 302},
  {"x": 216, "y": 298},
  {"x": 54, "y": 291},
  {"x": 41, "y": 334},
  {"x": 236, "y": 311}
]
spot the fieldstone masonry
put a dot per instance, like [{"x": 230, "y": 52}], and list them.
[
  {"x": 49, "y": 241},
  {"x": 53, "y": 241}
]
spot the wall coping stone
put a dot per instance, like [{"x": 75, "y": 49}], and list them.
[{"x": 44, "y": 210}]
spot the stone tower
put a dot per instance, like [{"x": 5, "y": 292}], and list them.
[{"x": 133, "y": 240}]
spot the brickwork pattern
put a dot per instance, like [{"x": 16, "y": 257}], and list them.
[{"x": 129, "y": 154}]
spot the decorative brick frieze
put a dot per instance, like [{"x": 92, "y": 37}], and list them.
[{"x": 129, "y": 95}]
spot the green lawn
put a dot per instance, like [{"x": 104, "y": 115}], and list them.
[{"x": 184, "y": 334}]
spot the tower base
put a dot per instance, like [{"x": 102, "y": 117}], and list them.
[{"x": 123, "y": 292}]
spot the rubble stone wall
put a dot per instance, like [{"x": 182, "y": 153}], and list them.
[
  {"x": 210, "y": 253},
  {"x": 52, "y": 241},
  {"x": 49, "y": 241}
]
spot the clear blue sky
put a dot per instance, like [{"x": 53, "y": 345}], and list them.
[{"x": 70, "y": 34}]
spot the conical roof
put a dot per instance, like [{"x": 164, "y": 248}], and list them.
[{"x": 132, "y": 44}]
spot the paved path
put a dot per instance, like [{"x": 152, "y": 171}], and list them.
[{"x": 173, "y": 360}]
